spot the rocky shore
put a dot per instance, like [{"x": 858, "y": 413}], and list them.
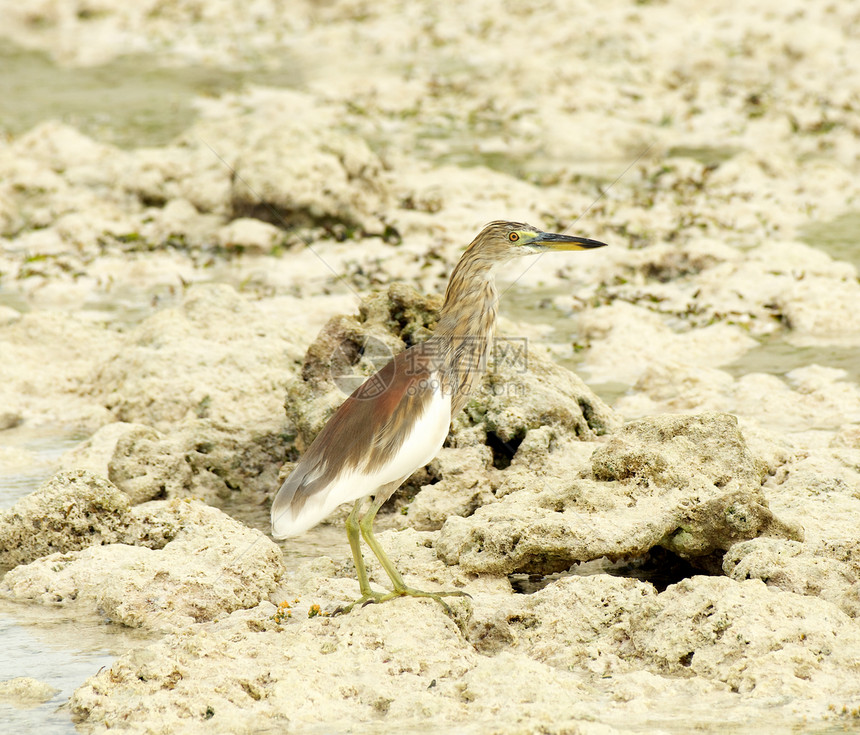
[{"x": 654, "y": 499}]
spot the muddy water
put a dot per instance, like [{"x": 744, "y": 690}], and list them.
[
  {"x": 39, "y": 451},
  {"x": 131, "y": 102},
  {"x": 839, "y": 238}
]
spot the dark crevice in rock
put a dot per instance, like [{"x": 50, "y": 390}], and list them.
[
  {"x": 659, "y": 567},
  {"x": 504, "y": 451}
]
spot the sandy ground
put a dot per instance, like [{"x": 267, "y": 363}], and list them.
[{"x": 675, "y": 546}]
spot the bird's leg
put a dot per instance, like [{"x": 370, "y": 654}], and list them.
[
  {"x": 354, "y": 535},
  {"x": 400, "y": 587}
]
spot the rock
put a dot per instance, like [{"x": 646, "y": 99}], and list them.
[
  {"x": 378, "y": 676},
  {"x": 524, "y": 390},
  {"x": 759, "y": 641},
  {"x": 8, "y": 315},
  {"x": 646, "y": 341},
  {"x": 464, "y": 479},
  {"x": 292, "y": 169},
  {"x": 209, "y": 566},
  {"x": 72, "y": 511},
  {"x": 218, "y": 356},
  {"x": 814, "y": 396},
  {"x": 249, "y": 235},
  {"x": 94, "y": 454},
  {"x": 557, "y": 656},
  {"x": 9, "y": 420},
  {"x": 819, "y": 488},
  {"x": 25, "y": 692},
  {"x": 819, "y": 311},
  {"x": 198, "y": 458},
  {"x": 573, "y": 624},
  {"x": 46, "y": 388},
  {"x": 686, "y": 483},
  {"x": 789, "y": 566}
]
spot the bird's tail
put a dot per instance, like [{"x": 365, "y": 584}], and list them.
[{"x": 295, "y": 510}]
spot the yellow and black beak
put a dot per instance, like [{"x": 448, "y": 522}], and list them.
[{"x": 551, "y": 241}]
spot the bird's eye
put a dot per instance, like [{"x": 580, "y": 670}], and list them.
[{"x": 513, "y": 237}]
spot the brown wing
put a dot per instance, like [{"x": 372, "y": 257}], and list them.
[{"x": 368, "y": 428}]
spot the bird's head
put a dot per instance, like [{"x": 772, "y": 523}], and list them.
[{"x": 500, "y": 241}]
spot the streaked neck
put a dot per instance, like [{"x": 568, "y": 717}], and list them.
[{"x": 467, "y": 324}]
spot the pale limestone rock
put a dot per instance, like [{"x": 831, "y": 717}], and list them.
[
  {"x": 24, "y": 692},
  {"x": 47, "y": 360},
  {"x": 72, "y": 511},
  {"x": 249, "y": 235},
  {"x": 761, "y": 642},
  {"x": 646, "y": 341},
  {"x": 686, "y": 483},
  {"x": 820, "y": 398},
  {"x": 198, "y": 458},
  {"x": 95, "y": 453},
  {"x": 790, "y": 566},
  {"x": 560, "y": 656},
  {"x": 203, "y": 565},
  {"x": 218, "y": 356}
]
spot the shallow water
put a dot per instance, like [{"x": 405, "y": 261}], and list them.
[
  {"x": 41, "y": 448},
  {"x": 839, "y": 238},
  {"x": 58, "y": 650},
  {"x": 130, "y": 102},
  {"x": 777, "y": 356}
]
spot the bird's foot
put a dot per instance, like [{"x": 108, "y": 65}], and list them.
[
  {"x": 377, "y": 597},
  {"x": 366, "y": 599},
  {"x": 411, "y": 592}
]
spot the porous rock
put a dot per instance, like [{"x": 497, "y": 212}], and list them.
[
  {"x": 198, "y": 565},
  {"x": 289, "y": 681},
  {"x": 574, "y": 623},
  {"x": 686, "y": 483},
  {"x": 292, "y": 169},
  {"x": 420, "y": 671},
  {"x": 217, "y": 356},
  {"x": 573, "y": 647},
  {"x": 71, "y": 511},
  {"x": 198, "y": 458},
  {"x": 760, "y": 641},
  {"x": 95, "y": 453},
  {"x": 464, "y": 479},
  {"x": 790, "y": 566},
  {"x": 41, "y": 388},
  {"x": 522, "y": 391},
  {"x": 25, "y": 691}
]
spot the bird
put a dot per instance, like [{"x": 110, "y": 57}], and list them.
[{"x": 398, "y": 419}]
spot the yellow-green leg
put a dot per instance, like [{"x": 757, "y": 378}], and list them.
[
  {"x": 401, "y": 589},
  {"x": 354, "y": 535}
]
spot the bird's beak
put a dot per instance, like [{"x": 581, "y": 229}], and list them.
[{"x": 551, "y": 241}]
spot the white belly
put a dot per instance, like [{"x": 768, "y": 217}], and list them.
[{"x": 420, "y": 446}]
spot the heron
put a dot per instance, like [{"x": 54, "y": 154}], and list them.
[{"x": 397, "y": 420}]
